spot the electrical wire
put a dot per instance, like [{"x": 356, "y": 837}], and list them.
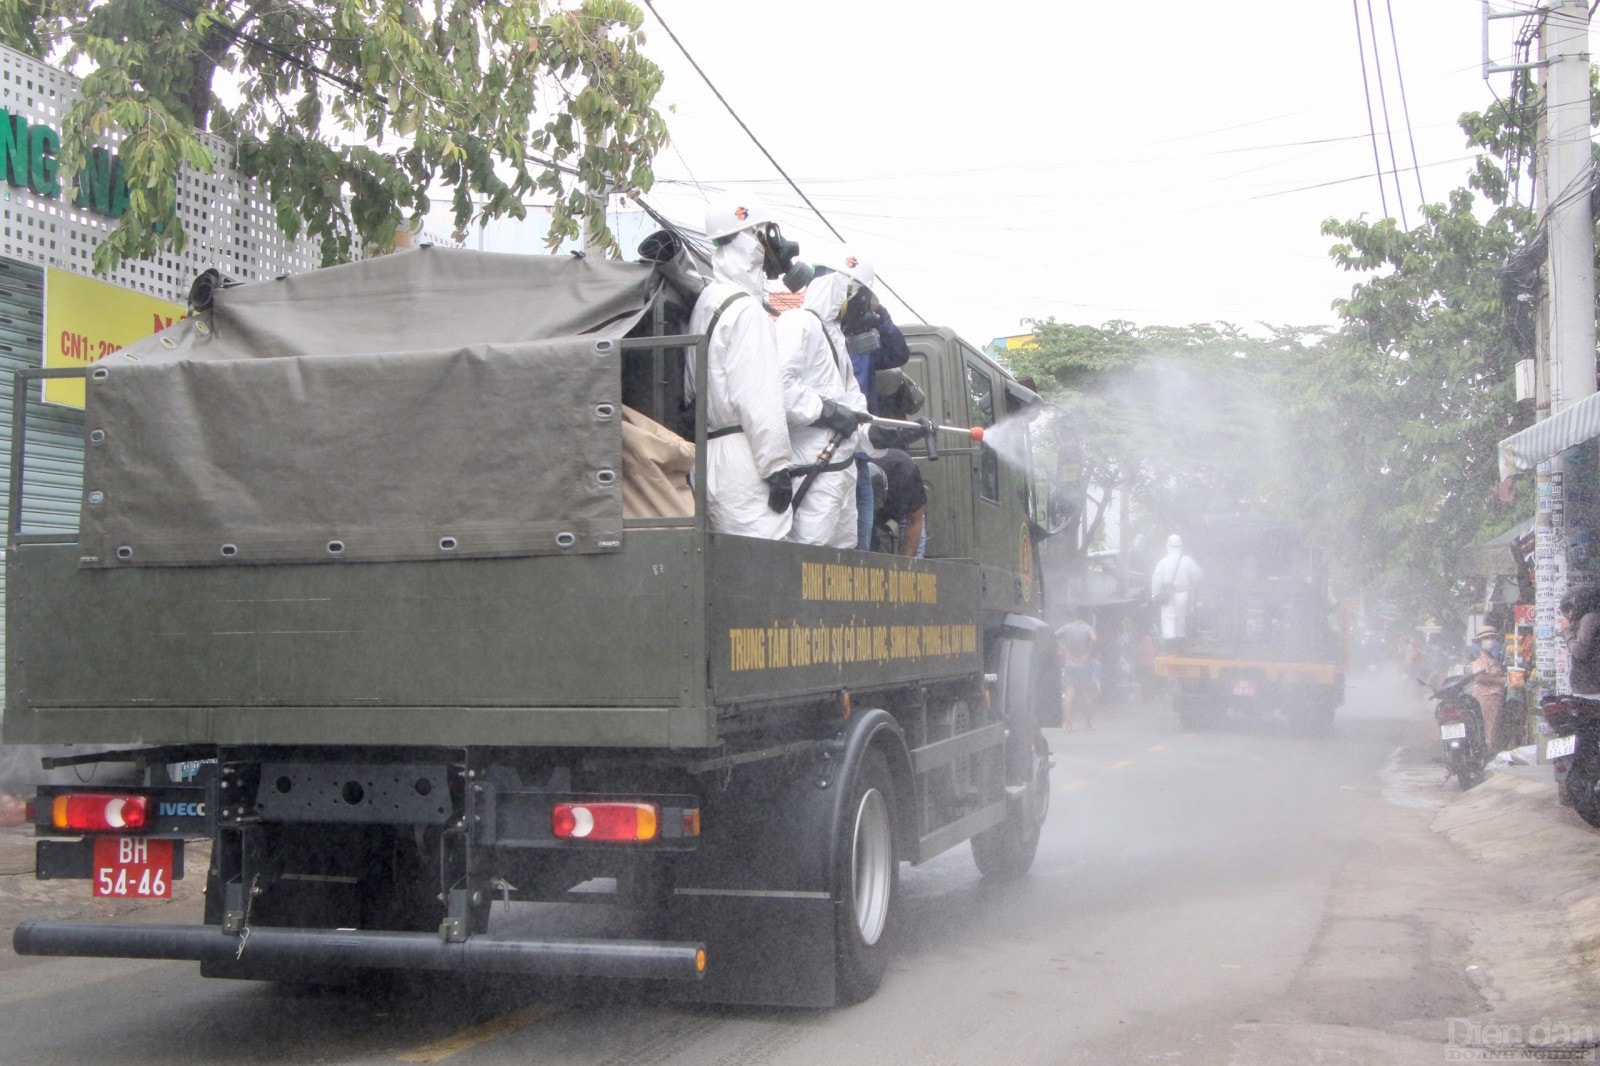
[
  {"x": 1405, "y": 107},
  {"x": 273, "y": 50},
  {"x": 1383, "y": 103},
  {"x": 1522, "y": 146},
  {"x": 763, "y": 149},
  {"x": 1345, "y": 181},
  {"x": 1372, "y": 125}
]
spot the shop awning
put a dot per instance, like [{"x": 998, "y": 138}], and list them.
[
  {"x": 1554, "y": 435},
  {"x": 1493, "y": 557}
]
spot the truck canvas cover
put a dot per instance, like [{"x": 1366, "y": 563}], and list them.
[{"x": 429, "y": 403}]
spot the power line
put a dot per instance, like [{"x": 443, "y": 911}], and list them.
[
  {"x": 1377, "y": 161},
  {"x": 279, "y": 53},
  {"x": 1405, "y": 107},
  {"x": 1383, "y": 102},
  {"x": 1346, "y": 181},
  {"x": 763, "y": 148}
]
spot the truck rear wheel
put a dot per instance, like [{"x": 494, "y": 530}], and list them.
[
  {"x": 1315, "y": 719},
  {"x": 1198, "y": 711},
  {"x": 866, "y": 880}
]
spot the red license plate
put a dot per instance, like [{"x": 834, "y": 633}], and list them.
[
  {"x": 1244, "y": 686},
  {"x": 132, "y": 867}
]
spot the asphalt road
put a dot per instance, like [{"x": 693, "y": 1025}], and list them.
[{"x": 1235, "y": 897}]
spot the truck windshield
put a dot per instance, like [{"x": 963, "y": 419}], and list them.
[{"x": 1055, "y": 468}]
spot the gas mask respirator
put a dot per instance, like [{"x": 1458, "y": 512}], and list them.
[
  {"x": 859, "y": 323},
  {"x": 779, "y": 258}
]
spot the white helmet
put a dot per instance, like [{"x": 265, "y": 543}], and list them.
[
  {"x": 727, "y": 215},
  {"x": 1174, "y": 541},
  {"x": 856, "y": 269}
]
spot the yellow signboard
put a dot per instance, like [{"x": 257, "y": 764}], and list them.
[{"x": 86, "y": 320}]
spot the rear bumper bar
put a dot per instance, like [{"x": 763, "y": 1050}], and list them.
[{"x": 360, "y": 949}]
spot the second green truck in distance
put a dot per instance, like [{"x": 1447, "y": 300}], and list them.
[{"x": 1262, "y": 636}]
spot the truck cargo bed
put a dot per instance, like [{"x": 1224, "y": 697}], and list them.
[{"x": 643, "y": 647}]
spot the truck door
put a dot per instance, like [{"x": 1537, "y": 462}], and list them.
[{"x": 1003, "y": 538}]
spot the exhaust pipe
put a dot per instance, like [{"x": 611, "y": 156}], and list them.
[{"x": 365, "y": 949}]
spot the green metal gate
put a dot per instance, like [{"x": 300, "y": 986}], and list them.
[{"x": 53, "y": 478}]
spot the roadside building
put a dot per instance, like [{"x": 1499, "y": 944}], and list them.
[{"x": 56, "y": 312}]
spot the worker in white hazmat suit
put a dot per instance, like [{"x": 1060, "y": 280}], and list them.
[
  {"x": 824, "y": 400},
  {"x": 748, "y": 488},
  {"x": 1172, "y": 584}
]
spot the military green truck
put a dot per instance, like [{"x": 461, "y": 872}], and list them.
[
  {"x": 1261, "y": 638},
  {"x": 365, "y": 545}
]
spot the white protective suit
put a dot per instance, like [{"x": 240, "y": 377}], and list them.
[
  {"x": 816, "y": 367},
  {"x": 1181, "y": 573},
  {"x": 746, "y": 390}
]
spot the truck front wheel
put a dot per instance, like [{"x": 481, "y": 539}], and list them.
[
  {"x": 866, "y": 880},
  {"x": 1006, "y": 851}
]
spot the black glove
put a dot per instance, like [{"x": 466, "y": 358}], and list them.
[
  {"x": 841, "y": 420},
  {"x": 780, "y": 490}
]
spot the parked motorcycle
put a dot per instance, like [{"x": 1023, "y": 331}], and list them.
[
  {"x": 1460, "y": 719},
  {"x": 1574, "y": 747}
]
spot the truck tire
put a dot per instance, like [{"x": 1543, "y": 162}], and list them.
[
  {"x": 866, "y": 880},
  {"x": 1005, "y": 852},
  {"x": 1197, "y": 712},
  {"x": 1315, "y": 719}
]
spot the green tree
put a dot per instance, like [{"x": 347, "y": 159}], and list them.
[
  {"x": 347, "y": 112},
  {"x": 1185, "y": 420},
  {"x": 1402, "y": 410}
]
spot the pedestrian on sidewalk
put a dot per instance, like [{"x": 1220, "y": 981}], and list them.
[
  {"x": 1578, "y": 620},
  {"x": 1414, "y": 669},
  {"x": 1077, "y": 639},
  {"x": 1489, "y": 683}
]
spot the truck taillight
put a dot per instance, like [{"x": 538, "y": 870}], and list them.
[
  {"x": 605, "y": 821},
  {"x": 99, "y": 810}
]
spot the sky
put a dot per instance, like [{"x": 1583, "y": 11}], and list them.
[{"x": 1164, "y": 163}]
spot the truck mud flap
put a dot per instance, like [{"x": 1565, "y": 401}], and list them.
[
  {"x": 761, "y": 892},
  {"x": 287, "y": 949},
  {"x": 764, "y": 948}
]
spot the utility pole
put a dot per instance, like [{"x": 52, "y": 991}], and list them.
[{"x": 1565, "y": 483}]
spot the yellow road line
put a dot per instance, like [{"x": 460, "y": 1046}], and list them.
[
  {"x": 1123, "y": 765},
  {"x": 1158, "y": 747},
  {"x": 450, "y": 1046}
]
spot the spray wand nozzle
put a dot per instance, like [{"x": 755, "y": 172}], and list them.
[
  {"x": 930, "y": 431},
  {"x": 970, "y": 432}
]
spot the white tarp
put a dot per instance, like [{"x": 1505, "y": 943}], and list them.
[{"x": 421, "y": 405}]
